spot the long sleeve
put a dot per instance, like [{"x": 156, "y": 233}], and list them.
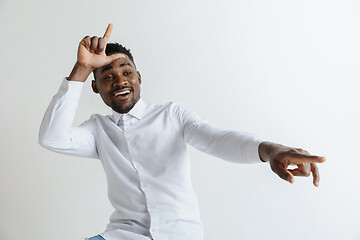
[
  {"x": 56, "y": 131},
  {"x": 233, "y": 146}
]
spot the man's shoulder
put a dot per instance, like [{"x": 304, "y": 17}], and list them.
[
  {"x": 168, "y": 106},
  {"x": 160, "y": 105},
  {"x": 99, "y": 117}
]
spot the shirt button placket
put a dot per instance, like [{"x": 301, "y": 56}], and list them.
[{"x": 154, "y": 215}]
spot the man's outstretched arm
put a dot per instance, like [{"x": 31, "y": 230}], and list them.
[
  {"x": 241, "y": 147},
  {"x": 280, "y": 157}
]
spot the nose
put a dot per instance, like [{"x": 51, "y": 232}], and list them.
[{"x": 119, "y": 81}]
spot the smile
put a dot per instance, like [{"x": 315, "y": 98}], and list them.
[{"x": 122, "y": 93}]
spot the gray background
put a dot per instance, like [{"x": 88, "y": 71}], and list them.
[{"x": 287, "y": 71}]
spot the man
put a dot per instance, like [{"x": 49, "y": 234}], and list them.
[{"x": 143, "y": 146}]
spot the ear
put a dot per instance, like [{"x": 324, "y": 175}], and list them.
[
  {"x": 139, "y": 76},
  {"x": 94, "y": 87}
]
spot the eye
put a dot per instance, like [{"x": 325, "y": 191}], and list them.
[
  {"x": 127, "y": 73},
  {"x": 108, "y": 77}
]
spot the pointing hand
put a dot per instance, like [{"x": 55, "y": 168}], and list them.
[{"x": 281, "y": 157}]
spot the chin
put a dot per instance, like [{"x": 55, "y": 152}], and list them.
[{"x": 123, "y": 109}]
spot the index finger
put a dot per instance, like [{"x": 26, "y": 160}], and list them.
[
  {"x": 108, "y": 32},
  {"x": 304, "y": 158}
]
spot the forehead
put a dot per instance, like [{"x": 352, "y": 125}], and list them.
[
  {"x": 117, "y": 62},
  {"x": 123, "y": 59}
]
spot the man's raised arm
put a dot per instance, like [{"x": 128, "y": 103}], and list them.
[{"x": 56, "y": 131}]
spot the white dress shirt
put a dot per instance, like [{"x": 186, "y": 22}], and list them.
[{"x": 145, "y": 159}]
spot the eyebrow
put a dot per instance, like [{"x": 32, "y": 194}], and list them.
[{"x": 110, "y": 67}]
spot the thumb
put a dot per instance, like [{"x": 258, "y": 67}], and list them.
[
  {"x": 115, "y": 56},
  {"x": 108, "y": 59}
]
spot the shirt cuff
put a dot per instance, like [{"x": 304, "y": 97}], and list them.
[
  {"x": 74, "y": 86},
  {"x": 255, "y": 150},
  {"x": 70, "y": 90}
]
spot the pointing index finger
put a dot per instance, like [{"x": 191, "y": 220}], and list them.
[
  {"x": 303, "y": 158},
  {"x": 108, "y": 32}
]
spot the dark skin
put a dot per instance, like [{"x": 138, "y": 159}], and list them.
[
  {"x": 118, "y": 83},
  {"x": 281, "y": 157}
]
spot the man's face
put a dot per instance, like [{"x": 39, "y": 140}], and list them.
[{"x": 118, "y": 84}]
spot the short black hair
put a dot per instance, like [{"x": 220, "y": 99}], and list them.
[{"x": 112, "y": 48}]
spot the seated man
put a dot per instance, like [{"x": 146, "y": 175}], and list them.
[{"x": 142, "y": 146}]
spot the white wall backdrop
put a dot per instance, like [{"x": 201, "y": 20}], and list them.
[{"x": 285, "y": 70}]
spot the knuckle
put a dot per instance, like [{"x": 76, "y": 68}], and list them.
[
  {"x": 86, "y": 39},
  {"x": 292, "y": 150},
  {"x": 302, "y": 151}
]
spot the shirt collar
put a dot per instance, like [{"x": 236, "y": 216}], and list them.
[{"x": 137, "y": 111}]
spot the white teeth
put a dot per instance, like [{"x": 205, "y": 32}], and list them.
[{"x": 122, "y": 93}]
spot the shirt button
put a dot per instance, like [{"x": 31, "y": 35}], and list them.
[
  {"x": 152, "y": 206},
  {"x": 131, "y": 143},
  {"x": 145, "y": 185},
  {"x": 153, "y": 230}
]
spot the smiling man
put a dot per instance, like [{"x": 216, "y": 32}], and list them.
[
  {"x": 122, "y": 92},
  {"x": 142, "y": 146}
]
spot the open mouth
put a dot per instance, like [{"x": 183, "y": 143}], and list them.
[{"x": 122, "y": 94}]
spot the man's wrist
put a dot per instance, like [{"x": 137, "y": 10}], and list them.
[
  {"x": 80, "y": 72},
  {"x": 265, "y": 150}
]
